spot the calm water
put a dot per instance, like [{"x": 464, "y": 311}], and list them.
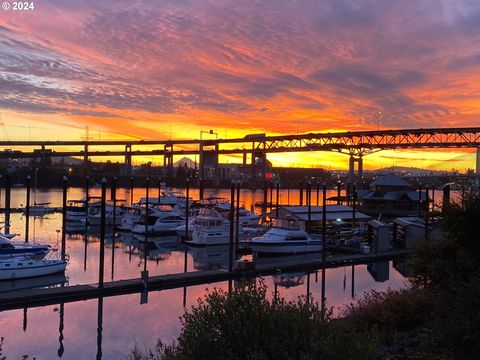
[{"x": 40, "y": 332}]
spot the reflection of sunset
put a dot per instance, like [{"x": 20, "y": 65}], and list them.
[{"x": 129, "y": 71}]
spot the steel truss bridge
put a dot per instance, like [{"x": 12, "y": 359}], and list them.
[{"x": 355, "y": 144}]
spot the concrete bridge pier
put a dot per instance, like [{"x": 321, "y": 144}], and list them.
[
  {"x": 85, "y": 160},
  {"x": 351, "y": 168},
  {"x": 128, "y": 159},
  {"x": 168, "y": 164}
]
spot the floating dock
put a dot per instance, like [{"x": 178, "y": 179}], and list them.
[{"x": 50, "y": 296}]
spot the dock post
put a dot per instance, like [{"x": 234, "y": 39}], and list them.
[
  {"x": 309, "y": 201},
  {"x": 237, "y": 219},
  {"x": 131, "y": 190},
  {"x": 318, "y": 193},
  {"x": 339, "y": 192},
  {"x": 301, "y": 194},
  {"x": 64, "y": 215},
  {"x": 160, "y": 190},
  {"x": 419, "y": 199},
  {"x": 265, "y": 197},
  {"x": 186, "y": 207},
  {"x": 27, "y": 209},
  {"x": 433, "y": 198},
  {"x": 201, "y": 189},
  {"x": 324, "y": 220},
  {"x": 145, "y": 248},
  {"x": 271, "y": 195},
  {"x": 232, "y": 211},
  {"x": 288, "y": 193},
  {"x": 87, "y": 198},
  {"x": 101, "y": 260},
  {"x": 113, "y": 198},
  {"x": 348, "y": 193},
  {"x": 446, "y": 197},
  {"x": 8, "y": 189},
  {"x": 277, "y": 199},
  {"x": 427, "y": 210},
  {"x": 354, "y": 204}
]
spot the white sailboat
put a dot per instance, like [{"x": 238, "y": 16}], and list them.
[{"x": 20, "y": 268}]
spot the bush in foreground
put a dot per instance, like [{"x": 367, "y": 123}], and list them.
[{"x": 246, "y": 325}]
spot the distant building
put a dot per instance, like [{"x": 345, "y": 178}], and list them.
[{"x": 390, "y": 196}]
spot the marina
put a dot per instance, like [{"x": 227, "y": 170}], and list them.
[
  {"x": 211, "y": 180},
  {"x": 172, "y": 267}
]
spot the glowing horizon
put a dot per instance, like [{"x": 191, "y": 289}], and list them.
[{"x": 170, "y": 69}]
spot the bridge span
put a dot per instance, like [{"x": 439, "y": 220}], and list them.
[{"x": 355, "y": 144}]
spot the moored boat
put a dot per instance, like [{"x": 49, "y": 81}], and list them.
[
  {"x": 20, "y": 268},
  {"x": 286, "y": 236},
  {"x": 10, "y": 249}
]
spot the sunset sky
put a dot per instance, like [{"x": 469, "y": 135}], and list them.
[{"x": 161, "y": 69}]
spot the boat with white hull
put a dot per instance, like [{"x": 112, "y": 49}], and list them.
[
  {"x": 163, "y": 222},
  {"x": 94, "y": 215},
  {"x": 20, "y": 268},
  {"x": 211, "y": 228},
  {"x": 286, "y": 236}
]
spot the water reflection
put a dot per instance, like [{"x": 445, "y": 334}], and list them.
[
  {"x": 69, "y": 332},
  {"x": 209, "y": 257}
]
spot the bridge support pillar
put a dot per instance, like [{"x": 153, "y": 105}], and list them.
[
  {"x": 168, "y": 164},
  {"x": 351, "y": 168},
  {"x": 85, "y": 160},
  {"x": 128, "y": 159},
  {"x": 217, "y": 172},
  {"x": 201, "y": 163}
]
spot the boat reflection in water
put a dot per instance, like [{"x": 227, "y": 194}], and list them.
[
  {"x": 213, "y": 257},
  {"x": 32, "y": 283},
  {"x": 156, "y": 247},
  {"x": 288, "y": 280}
]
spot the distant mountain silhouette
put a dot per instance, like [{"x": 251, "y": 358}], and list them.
[{"x": 185, "y": 162}]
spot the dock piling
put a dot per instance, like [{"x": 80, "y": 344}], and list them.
[
  {"x": 301, "y": 194},
  {"x": 27, "y": 209},
  {"x": 131, "y": 190},
  {"x": 101, "y": 260},
  {"x": 64, "y": 215},
  {"x": 8, "y": 189},
  {"x": 237, "y": 218},
  {"x": 324, "y": 220},
  {"x": 187, "y": 190},
  {"x": 277, "y": 199},
  {"x": 113, "y": 198},
  {"x": 232, "y": 219}
]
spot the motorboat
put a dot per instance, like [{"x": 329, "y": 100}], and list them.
[
  {"x": 77, "y": 209},
  {"x": 94, "y": 214},
  {"x": 167, "y": 197},
  {"x": 286, "y": 236},
  {"x": 159, "y": 222},
  {"x": 211, "y": 228},
  {"x": 10, "y": 249},
  {"x": 193, "y": 213},
  {"x": 132, "y": 216},
  {"x": 20, "y": 267}
]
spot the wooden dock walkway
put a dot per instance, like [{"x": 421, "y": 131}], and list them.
[{"x": 50, "y": 296}]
